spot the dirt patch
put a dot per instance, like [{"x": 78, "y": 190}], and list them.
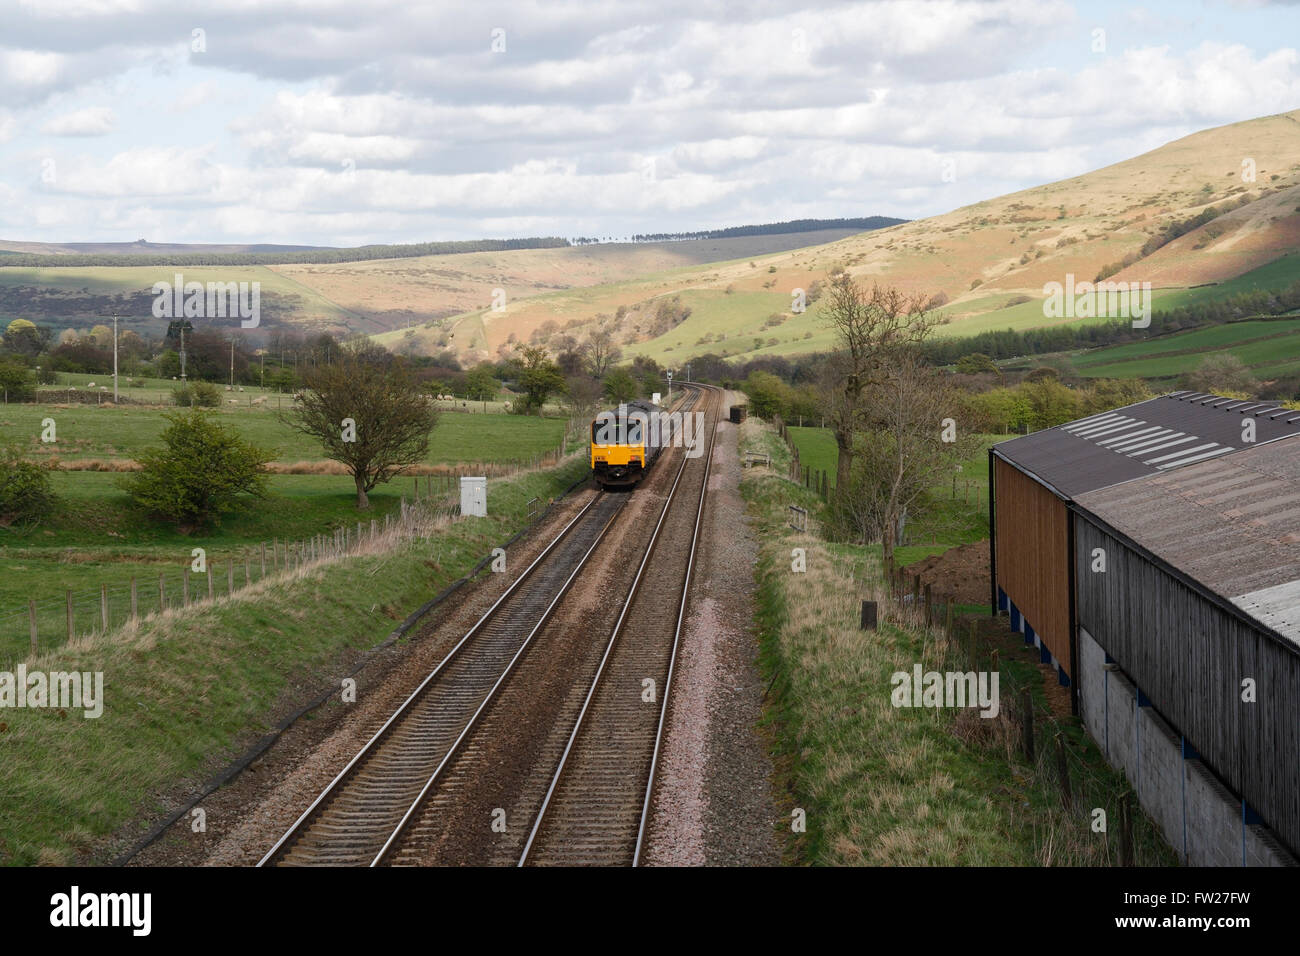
[{"x": 960, "y": 573}]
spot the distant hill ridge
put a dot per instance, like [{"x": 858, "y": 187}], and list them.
[{"x": 145, "y": 253}]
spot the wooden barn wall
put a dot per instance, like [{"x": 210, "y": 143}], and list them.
[
  {"x": 1033, "y": 555},
  {"x": 1189, "y": 657}
]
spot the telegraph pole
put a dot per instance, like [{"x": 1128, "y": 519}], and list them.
[
  {"x": 114, "y": 358},
  {"x": 232, "y": 365}
]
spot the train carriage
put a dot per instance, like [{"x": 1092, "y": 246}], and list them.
[{"x": 626, "y": 441}]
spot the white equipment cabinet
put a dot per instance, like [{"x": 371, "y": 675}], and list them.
[{"x": 473, "y": 497}]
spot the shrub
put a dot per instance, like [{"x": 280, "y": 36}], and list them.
[
  {"x": 200, "y": 394},
  {"x": 25, "y": 492},
  {"x": 199, "y": 472},
  {"x": 17, "y": 381}
]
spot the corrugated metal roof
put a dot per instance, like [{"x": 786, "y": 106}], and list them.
[
  {"x": 1278, "y": 607},
  {"x": 1231, "y": 523},
  {"x": 1160, "y": 434}
]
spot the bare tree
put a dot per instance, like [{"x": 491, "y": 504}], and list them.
[
  {"x": 910, "y": 443},
  {"x": 584, "y": 394},
  {"x": 601, "y": 352},
  {"x": 872, "y": 330},
  {"x": 369, "y": 412}
]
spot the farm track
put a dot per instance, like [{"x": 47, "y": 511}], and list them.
[{"x": 484, "y": 734}]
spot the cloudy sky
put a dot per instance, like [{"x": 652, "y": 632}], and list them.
[{"x": 330, "y": 122}]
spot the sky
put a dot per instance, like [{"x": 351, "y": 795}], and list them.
[{"x": 325, "y": 122}]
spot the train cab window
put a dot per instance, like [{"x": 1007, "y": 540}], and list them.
[{"x": 633, "y": 428}]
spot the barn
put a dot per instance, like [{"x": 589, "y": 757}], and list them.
[{"x": 1150, "y": 554}]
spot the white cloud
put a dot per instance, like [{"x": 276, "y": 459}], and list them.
[
  {"x": 92, "y": 121},
  {"x": 303, "y": 122}
]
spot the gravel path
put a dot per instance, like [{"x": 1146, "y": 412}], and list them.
[{"x": 715, "y": 803}]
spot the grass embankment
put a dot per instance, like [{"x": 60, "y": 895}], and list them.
[
  {"x": 896, "y": 786},
  {"x": 187, "y": 691}
]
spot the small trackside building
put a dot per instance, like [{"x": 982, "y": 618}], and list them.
[{"x": 1129, "y": 548}]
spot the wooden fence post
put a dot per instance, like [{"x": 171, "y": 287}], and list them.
[
  {"x": 263, "y": 559},
  {"x": 31, "y": 616},
  {"x": 1126, "y": 830},
  {"x": 211, "y": 593},
  {"x": 1027, "y": 723},
  {"x": 246, "y": 569},
  {"x": 103, "y": 605},
  {"x": 162, "y": 592},
  {"x": 135, "y": 601},
  {"x": 185, "y": 586},
  {"x": 69, "y": 598},
  {"x": 929, "y": 606},
  {"x": 230, "y": 578},
  {"x": 1063, "y": 771}
]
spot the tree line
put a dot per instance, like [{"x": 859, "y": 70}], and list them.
[{"x": 313, "y": 256}]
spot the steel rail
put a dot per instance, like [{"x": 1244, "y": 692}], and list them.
[
  {"x": 298, "y": 827},
  {"x": 491, "y": 694},
  {"x": 633, "y": 590}
]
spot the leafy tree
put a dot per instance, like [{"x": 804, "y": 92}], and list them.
[
  {"x": 199, "y": 394},
  {"x": 368, "y": 411},
  {"x": 768, "y": 395},
  {"x": 976, "y": 363},
  {"x": 24, "y": 337},
  {"x": 25, "y": 492},
  {"x": 538, "y": 377},
  {"x": 1051, "y": 403},
  {"x": 199, "y": 473},
  {"x": 480, "y": 384},
  {"x": 620, "y": 386},
  {"x": 282, "y": 380},
  {"x": 17, "y": 381}
]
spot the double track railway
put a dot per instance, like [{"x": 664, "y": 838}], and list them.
[{"x": 588, "y": 802}]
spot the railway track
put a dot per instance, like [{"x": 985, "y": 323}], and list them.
[
  {"x": 599, "y": 800},
  {"x": 358, "y": 817},
  {"x": 396, "y": 792}
]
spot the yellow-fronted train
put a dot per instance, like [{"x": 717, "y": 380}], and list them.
[{"x": 626, "y": 441}]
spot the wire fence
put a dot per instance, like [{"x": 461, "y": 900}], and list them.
[{"x": 51, "y": 621}]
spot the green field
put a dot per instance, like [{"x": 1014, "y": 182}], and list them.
[
  {"x": 96, "y": 536},
  {"x": 108, "y": 432},
  {"x": 1268, "y": 347}
]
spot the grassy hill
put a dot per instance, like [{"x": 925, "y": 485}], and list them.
[{"x": 982, "y": 258}]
